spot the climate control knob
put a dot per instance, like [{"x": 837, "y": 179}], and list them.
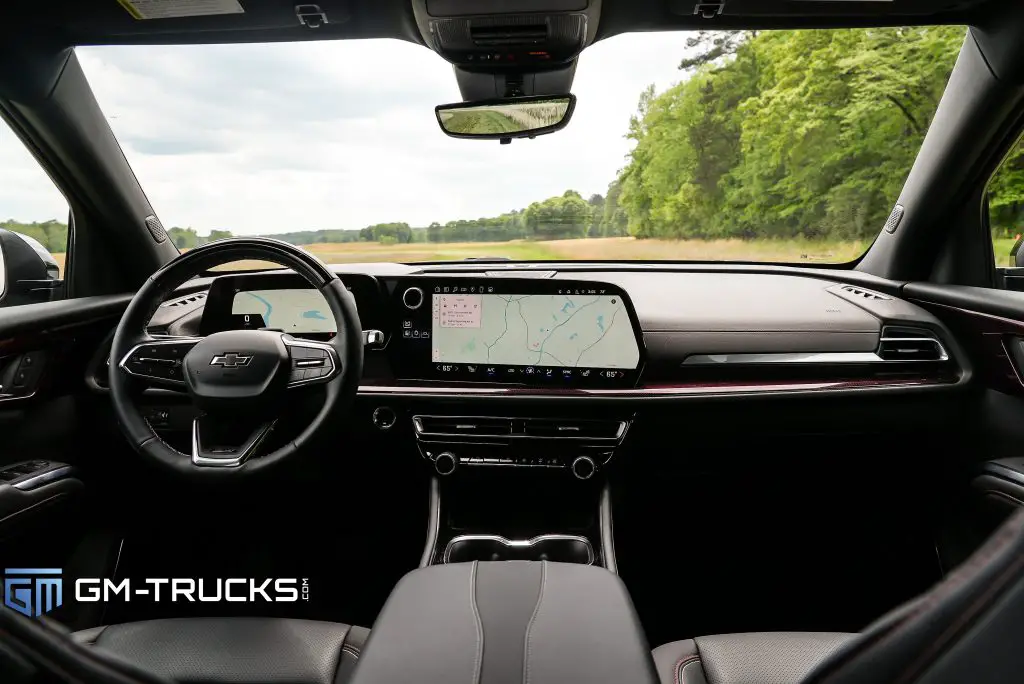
[
  {"x": 583, "y": 468},
  {"x": 412, "y": 298},
  {"x": 445, "y": 463}
]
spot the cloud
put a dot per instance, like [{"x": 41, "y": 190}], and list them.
[{"x": 303, "y": 136}]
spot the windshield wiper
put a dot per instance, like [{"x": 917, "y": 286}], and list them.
[{"x": 488, "y": 258}]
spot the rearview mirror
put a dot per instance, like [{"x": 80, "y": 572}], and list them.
[{"x": 506, "y": 118}]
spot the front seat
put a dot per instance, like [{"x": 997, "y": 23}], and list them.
[
  {"x": 755, "y": 658},
  {"x": 966, "y": 629},
  {"x": 233, "y": 650}
]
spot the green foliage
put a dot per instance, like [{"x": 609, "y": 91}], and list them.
[
  {"x": 53, "y": 235},
  {"x": 1006, "y": 196},
  {"x": 312, "y": 237},
  {"x": 785, "y": 133},
  {"x": 795, "y": 135},
  {"x": 387, "y": 233}
]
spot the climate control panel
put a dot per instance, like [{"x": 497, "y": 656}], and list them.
[{"x": 580, "y": 446}]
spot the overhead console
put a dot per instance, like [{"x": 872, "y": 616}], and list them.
[{"x": 507, "y": 35}]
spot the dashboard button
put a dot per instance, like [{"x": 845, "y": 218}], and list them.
[{"x": 412, "y": 298}]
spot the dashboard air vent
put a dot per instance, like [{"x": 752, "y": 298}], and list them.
[
  {"x": 861, "y": 292},
  {"x": 910, "y": 344},
  {"x": 553, "y": 428},
  {"x": 470, "y": 426},
  {"x": 185, "y": 301}
]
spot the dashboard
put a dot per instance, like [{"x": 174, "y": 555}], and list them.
[{"x": 452, "y": 330}]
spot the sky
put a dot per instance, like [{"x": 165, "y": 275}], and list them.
[{"x": 272, "y": 138}]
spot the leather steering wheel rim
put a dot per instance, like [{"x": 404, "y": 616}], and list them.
[{"x": 131, "y": 331}]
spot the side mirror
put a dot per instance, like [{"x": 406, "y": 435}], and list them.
[
  {"x": 1016, "y": 253},
  {"x": 28, "y": 273},
  {"x": 506, "y": 118}
]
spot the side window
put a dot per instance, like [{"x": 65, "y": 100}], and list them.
[
  {"x": 33, "y": 227},
  {"x": 1006, "y": 214}
]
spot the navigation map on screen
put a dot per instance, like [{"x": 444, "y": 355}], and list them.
[
  {"x": 533, "y": 330},
  {"x": 293, "y": 311}
]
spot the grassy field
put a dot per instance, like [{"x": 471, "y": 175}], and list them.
[{"x": 794, "y": 251}]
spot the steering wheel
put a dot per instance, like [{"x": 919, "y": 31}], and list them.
[{"x": 240, "y": 381}]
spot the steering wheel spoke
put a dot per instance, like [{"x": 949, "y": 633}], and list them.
[
  {"x": 158, "y": 361},
  {"x": 226, "y": 443},
  {"x": 311, "y": 363}
]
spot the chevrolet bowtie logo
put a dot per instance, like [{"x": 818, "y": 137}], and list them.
[{"x": 231, "y": 360}]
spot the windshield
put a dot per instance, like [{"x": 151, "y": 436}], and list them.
[{"x": 781, "y": 146}]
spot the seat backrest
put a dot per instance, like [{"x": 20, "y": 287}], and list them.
[{"x": 968, "y": 628}]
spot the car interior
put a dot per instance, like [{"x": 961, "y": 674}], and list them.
[{"x": 770, "y": 473}]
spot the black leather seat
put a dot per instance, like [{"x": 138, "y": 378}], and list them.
[
  {"x": 966, "y": 629},
  {"x": 756, "y": 658},
  {"x": 234, "y": 650}
]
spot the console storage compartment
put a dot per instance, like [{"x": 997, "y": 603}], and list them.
[
  {"x": 560, "y": 548},
  {"x": 539, "y": 622}
]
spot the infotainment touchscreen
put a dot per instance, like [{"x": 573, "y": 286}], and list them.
[{"x": 557, "y": 331}]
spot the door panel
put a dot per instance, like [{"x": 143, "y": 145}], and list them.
[
  {"x": 49, "y": 437},
  {"x": 989, "y": 325}
]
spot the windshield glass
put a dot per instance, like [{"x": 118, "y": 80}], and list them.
[{"x": 785, "y": 146}]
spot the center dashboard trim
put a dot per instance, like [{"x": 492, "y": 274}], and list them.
[{"x": 672, "y": 392}]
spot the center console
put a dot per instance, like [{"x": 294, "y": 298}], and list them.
[
  {"x": 514, "y": 484},
  {"x": 543, "y": 623}
]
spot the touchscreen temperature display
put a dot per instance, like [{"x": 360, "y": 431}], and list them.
[{"x": 534, "y": 330}]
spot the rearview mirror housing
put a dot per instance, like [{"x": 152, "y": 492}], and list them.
[
  {"x": 506, "y": 118},
  {"x": 28, "y": 273}
]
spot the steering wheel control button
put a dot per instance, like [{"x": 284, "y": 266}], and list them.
[
  {"x": 383, "y": 418},
  {"x": 159, "y": 360},
  {"x": 445, "y": 463},
  {"x": 310, "y": 362},
  {"x": 412, "y": 298}
]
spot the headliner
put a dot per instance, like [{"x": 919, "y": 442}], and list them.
[{"x": 65, "y": 23}]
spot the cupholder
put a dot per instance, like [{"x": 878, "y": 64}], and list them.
[{"x": 560, "y": 548}]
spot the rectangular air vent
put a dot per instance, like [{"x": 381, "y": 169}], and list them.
[
  {"x": 469, "y": 426},
  {"x": 554, "y": 428},
  {"x": 910, "y": 344},
  {"x": 184, "y": 301},
  {"x": 497, "y": 36},
  {"x": 861, "y": 292}
]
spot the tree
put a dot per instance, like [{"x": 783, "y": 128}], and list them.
[
  {"x": 183, "y": 238},
  {"x": 784, "y": 133},
  {"x": 555, "y": 218}
]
